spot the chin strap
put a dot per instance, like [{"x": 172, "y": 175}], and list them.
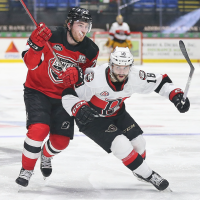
[
  {"x": 73, "y": 37},
  {"x": 113, "y": 77},
  {"x": 111, "y": 73}
]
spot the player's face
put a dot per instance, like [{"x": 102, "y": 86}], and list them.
[
  {"x": 119, "y": 20},
  {"x": 79, "y": 30},
  {"x": 121, "y": 71}
]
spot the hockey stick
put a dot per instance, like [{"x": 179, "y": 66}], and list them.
[
  {"x": 33, "y": 20},
  {"x": 128, "y": 4},
  {"x": 184, "y": 52}
]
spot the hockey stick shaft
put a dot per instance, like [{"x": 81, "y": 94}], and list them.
[
  {"x": 127, "y": 4},
  {"x": 184, "y": 52},
  {"x": 33, "y": 20}
]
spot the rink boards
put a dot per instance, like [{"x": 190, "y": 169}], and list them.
[{"x": 153, "y": 50}]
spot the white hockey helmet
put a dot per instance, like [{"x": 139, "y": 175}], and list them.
[{"x": 121, "y": 56}]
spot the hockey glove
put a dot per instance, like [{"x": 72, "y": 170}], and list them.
[
  {"x": 72, "y": 75},
  {"x": 182, "y": 107},
  {"x": 109, "y": 43},
  {"x": 39, "y": 37},
  {"x": 83, "y": 112}
]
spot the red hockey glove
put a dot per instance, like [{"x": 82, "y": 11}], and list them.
[
  {"x": 176, "y": 97},
  {"x": 83, "y": 112},
  {"x": 72, "y": 75},
  {"x": 39, "y": 37}
]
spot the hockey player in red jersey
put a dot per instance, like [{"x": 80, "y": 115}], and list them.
[
  {"x": 44, "y": 85},
  {"x": 99, "y": 110}
]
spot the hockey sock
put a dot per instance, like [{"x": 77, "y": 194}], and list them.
[
  {"x": 135, "y": 163},
  {"x": 122, "y": 148},
  {"x": 32, "y": 144},
  {"x": 144, "y": 155},
  {"x": 55, "y": 144},
  {"x": 139, "y": 144},
  {"x": 133, "y": 160}
]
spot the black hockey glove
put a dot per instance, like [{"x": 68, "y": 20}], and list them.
[
  {"x": 179, "y": 105},
  {"x": 83, "y": 112}
]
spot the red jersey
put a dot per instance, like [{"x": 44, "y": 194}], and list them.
[{"x": 43, "y": 67}]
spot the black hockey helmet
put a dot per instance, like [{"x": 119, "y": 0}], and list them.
[{"x": 79, "y": 14}]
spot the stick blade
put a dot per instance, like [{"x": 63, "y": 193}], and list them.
[{"x": 184, "y": 52}]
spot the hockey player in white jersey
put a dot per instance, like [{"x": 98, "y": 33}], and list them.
[
  {"x": 99, "y": 110},
  {"x": 119, "y": 34}
]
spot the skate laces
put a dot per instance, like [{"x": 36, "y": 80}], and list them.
[
  {"x": 26, "y": 174},
  {"x": 156, "y": 179},
  {"x": 46, "y": 161}
]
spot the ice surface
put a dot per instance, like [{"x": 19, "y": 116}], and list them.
[{"x": 84, "y": 171}]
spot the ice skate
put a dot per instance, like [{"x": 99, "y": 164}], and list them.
[
  {"x": 45, "y": 165},
  {"x": 156, "y": 180},
  {"x": 24, "y": 177},
  {"x": 139, "y": 178}
]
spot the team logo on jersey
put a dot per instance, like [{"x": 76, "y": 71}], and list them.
[
  {"x": 65, "y": 125},
  {"x": 105, "y": 93},
  {"x": 111, "y": 128},
  {"x": 142, "y": 75},
  {"x": 54, "y": 68},
  {"x": 58, "y": 47},
  {"x": 178, "y": 90},
  {"x": 89, "y": 77},
  {"x": 82, "y": 59}
]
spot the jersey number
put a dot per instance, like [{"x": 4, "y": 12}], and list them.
[{"x": 151, "y": 75}]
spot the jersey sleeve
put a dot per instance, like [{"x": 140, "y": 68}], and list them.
[
  {"x": 128, "y": 33},
  {"x": 112, "y": 31},
  {"x": 70, "y": 96},
  {"x": 32, "y": 58},
  {"x": 166, "y": 88},
  {"x": 148, "y": 82},
  {"x": 69, "y": 99}
]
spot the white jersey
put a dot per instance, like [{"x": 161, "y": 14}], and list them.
[
  {"x": 103, "y": 96},
  {"x": 120, "y": 32}
]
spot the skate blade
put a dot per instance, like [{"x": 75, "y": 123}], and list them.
[
  {"x": 46, "y": 180},
  {"x": 168, "y": 189},
  {"x": 141, "y": 180},
  {"x": 20, "y": 188}
]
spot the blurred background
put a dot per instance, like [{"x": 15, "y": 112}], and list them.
[
  {"x": 141, "y": 15},
  {"x": 153, "y": 19}
]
